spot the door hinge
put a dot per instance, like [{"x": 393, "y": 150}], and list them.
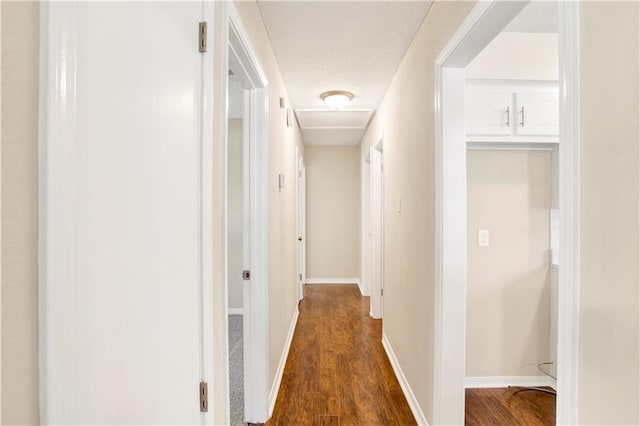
[
  {"x": 381, "y": 292},
  {"x": 246, "y": 275},
  {"x": 202, "y": 37},
  {"x": 300, "y": 277},
  {"x": 204, "y": 397}
]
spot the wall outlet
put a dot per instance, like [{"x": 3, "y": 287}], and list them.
[{"x": 483, "y": 238}]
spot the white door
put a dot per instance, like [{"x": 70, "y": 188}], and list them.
[
  {"x": 366, "y": 226},
  {"x": 302, "y": 227},
  {"x": 376, "y": 233},
  {"x": 122, "y": 184}
]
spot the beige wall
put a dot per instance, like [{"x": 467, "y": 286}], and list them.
[
  {"x": 333, "y": 211},
  {"x": 609, "y": 321},
  {"x": 520, "y": 56},
  {"x": 20, "y": 22},
  {"x": 508, "y": 193},
  {"x": 234, "y": 208},
  {"x": 406, "y": 117}
]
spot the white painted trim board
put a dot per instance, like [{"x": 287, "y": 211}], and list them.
[
  {"x": 507, "y": 381},
  {"x": 235, "y": 311},
  {"x": 333, "y": 281},
  {"x": 275, "y": 387},
  {"x": 330, "y": 281},
  {"x": 404, "y": 384}
]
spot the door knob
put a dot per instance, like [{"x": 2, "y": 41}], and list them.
[{"x": 299, "y": 238}]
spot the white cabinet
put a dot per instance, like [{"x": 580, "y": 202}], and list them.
[
  {"x": 488, "y": 112},
  {"x": 538, "y": 113},
  {"x": 511, "y": 111}
]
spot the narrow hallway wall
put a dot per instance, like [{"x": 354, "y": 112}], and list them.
[
  {"x": 282, "y": 229},
  {"x": 406, "y": 118}
]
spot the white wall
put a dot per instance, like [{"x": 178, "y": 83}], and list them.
[
  {"x": 20, "y": 32},
  {"x": 333, "y": 211},
  {"x": 609, "y": 378},
  {"x": 520, "y": 56},
  {"x": 234, "y": 215},
  {"x": 508, "y": 193}
]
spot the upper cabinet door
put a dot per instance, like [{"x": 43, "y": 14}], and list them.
[
  {"x": 537, "y": 113},
  {"x": 487, "y": 112}
]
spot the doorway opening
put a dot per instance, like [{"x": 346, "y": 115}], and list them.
[
  {"x": 482, "y": 25},
  {"x": 376, "y": 185},
  {"x": 301, "y": 216},
  {"x": 512, "y": 133},
  {"x": 243, "y": 209}
]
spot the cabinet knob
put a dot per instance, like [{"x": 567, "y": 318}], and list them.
[{"x": 522, "y": 117}]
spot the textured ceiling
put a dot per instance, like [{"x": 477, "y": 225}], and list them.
[
  {"x": 340, "y": 45},
  {"x": 537, "y": 17}
]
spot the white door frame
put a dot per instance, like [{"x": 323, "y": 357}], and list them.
[
  {"x": 484, "y": 22},
  {"x": 377, "y": 229},
  {"x": 301, "y": 191},
  {"x": 57, "y": 122},
  {"x": 240, "y": 55}
]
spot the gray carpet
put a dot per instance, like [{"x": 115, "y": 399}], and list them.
[{"x": 236, "y": 370}]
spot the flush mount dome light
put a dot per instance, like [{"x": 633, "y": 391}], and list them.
[{"x": 336, "y": 99}]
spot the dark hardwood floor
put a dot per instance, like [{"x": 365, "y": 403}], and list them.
[
  {"x": 503, "y": 406},
  {"x": 337, "y": 372}
]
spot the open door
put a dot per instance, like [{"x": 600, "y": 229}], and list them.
[
  {"x": 377, "y": 229},
  {"x": 125, "y": 304},
  {"x": 302, "y": 226}
]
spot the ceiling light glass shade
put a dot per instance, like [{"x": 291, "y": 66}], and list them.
[{"x": 336, "y": 99}]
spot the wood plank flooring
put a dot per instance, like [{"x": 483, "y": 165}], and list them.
[
  {"x": 503, "y": 406},
  {"x": 337, "y": 372}
]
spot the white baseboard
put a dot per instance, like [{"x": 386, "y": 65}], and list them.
[
  {"x": 275, "y": 387},
  {"x": 235, "y": 311},
  {"x": 361, "y": 287},
  {"x": 404, "y": 384},
  {"x": 506, "y": 381},
  {"x": 333, "y": 281}
]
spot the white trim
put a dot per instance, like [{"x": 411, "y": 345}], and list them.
[
  {"x": 275, "y": 387},
  {"x": 235, "y": 311},
  {"x": 569, "y": 168},
  {"x": 333, "y": 281},
  {"x": 508, "y": 381},
  {"x": 404, "y": 384}
]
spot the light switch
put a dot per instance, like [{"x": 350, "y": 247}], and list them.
[{"x": 483, "y": 238}]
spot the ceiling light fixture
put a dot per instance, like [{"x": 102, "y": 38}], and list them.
[{"x": 336, "y": 99}]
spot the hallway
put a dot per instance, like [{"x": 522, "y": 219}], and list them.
[{"x": 337, "y": 371}]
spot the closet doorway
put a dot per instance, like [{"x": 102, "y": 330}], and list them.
[{"x": 509, "y": 120}]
